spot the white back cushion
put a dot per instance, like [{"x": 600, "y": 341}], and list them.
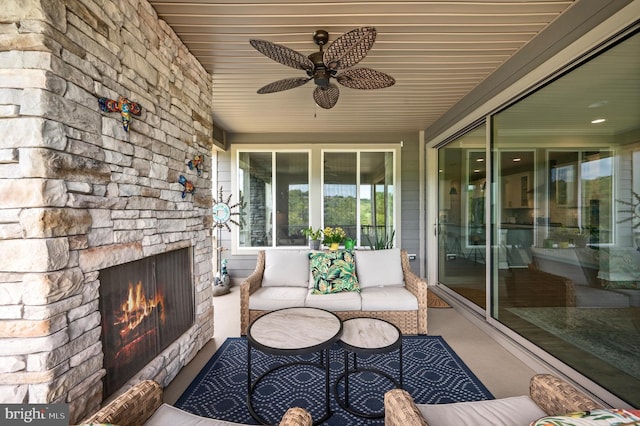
[
  {"x": 377, "y": 268},
  {"x": 286, "y": 268},
  {"x": 517, "y": 410}
]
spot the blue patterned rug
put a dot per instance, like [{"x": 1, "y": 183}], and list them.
[{"x": 433, "y": 374}]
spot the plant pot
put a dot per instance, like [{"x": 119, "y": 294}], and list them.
[
  {"x": 580, "y": 242},
  {"x": 314, "y": 244},
  {"x": 334, "y": 246}
]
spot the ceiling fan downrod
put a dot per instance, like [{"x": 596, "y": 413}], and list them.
[{"x": 320, "y": 74}]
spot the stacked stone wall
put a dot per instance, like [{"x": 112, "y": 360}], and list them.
[{"x": 78, "y": 193}]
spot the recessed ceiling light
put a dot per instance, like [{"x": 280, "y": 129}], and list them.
[
  {"x": 516, "y": 159},
  {"x": 598, "y": 104},
  {"x": 480, "y": 160},
  {"x": 476, "y": 171},
  {"x": 598, "y": 121}
]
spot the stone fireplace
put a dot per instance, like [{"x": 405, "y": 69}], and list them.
[
  {"x": 145, "y": 306},
  {"x": 80, "y": 195}
]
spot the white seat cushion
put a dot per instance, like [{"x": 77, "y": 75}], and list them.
[
  {"x": 388, "y": 299},
  {"x": 588, "y": 297},
  {"x": 343, "y": 301},
  {"x": 632, "y": 294},
  {"x": 379, "y": 267},
  {"x": 170, "y": 415},
  {"x": 517, "y": 410},
  {"x": 271, "y": 298},
  {"x": 286, "y": 268}
]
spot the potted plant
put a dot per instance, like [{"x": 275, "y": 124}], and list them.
[
  {"x": 314, "y": 236},
  {"x": 381, "y": 241},
  {"x": 333, "y": 237}
]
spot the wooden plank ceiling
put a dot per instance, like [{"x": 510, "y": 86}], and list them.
[{"x": 437, "y": 51}]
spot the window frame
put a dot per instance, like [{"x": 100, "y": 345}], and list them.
[
  {"x": 236, "y": 153},
  {"x": 580, "y": 150},
  {"x": 396, "y": 184},
  {"x": 316, "y": 182}
]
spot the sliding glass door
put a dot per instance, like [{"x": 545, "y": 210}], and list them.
[
  {"x": 462, "y": 181},
  {"x": 567, "y": 215},
  {"x": 564, "y": 219}
]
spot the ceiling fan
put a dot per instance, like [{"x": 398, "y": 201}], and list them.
[{"x": 335, "y": 62}]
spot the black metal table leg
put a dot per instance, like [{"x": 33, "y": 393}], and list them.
[
  {"x": 326, "y": 379},
  {"x": 248, "y": 368},
  {"x": 367, "y": 336}
]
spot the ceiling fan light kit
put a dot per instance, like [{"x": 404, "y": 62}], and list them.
[{"x": 333, "y": 63}]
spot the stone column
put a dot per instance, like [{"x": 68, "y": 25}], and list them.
[{"x": 78, "y": 193}]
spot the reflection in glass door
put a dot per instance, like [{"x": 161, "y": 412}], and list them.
[
  {"x": 461, "y": 216},
  {"x": 567, "y": 274}
]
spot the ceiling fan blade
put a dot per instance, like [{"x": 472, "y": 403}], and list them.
[
  {"x": 326, "y": 97},
  {"x": 365, "y": 79},
  {"x": 284, "y": 84},
  {"x": 350, "y": 48},
  {"x": 282, "y": 54}
]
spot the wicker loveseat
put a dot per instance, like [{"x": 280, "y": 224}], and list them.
[
  {"x": 548, "y": 396},
  {"x": 142, "y": 405},
  {"x": 384, "y": 300}
]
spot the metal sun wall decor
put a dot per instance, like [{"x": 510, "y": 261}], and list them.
[
  {"x": 633, "y": 210},
  {"x": 222, "y": 212},
  {"x": 189, "y": 188},
  {"x": 122, "y": 105},
  {"x": 222, "y": 215}
]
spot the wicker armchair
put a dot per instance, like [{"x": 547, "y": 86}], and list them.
[
  {"x": 132, "y": 408},
  {"x": 409, "y": 322},
  {"x": 135, "y": 406},
  {"x": 552, "y": 394}
]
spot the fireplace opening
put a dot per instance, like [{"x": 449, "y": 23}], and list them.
[{"x": 145, "y": 306}]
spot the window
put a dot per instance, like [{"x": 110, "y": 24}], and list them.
[
  {"x": 354, "y": 189},
  {"x": 358, "y": 195},
  {"x": 581, "y": 194},
  {"x": 340, "y": 189},
  {"x": 275, "y": 189}
]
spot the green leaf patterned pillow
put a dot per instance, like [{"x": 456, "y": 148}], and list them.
[
  {"x": 610, "y": 417},
  {"x": 333, "y": 272}
]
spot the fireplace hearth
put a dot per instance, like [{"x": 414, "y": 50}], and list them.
[{"x": 145, "y": 306}]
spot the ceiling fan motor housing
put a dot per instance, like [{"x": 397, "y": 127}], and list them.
[{"x": 320, "y": 73}]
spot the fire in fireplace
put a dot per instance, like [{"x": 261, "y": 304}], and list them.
[
  {"x": 145, "y": 305},
  {"x": 135, "y": 310}
]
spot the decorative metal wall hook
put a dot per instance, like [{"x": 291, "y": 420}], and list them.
[
  {"x": 122, "y": 105},
  {"x": 189, "y": 188},
  {"x": 197, "y": 163}
]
